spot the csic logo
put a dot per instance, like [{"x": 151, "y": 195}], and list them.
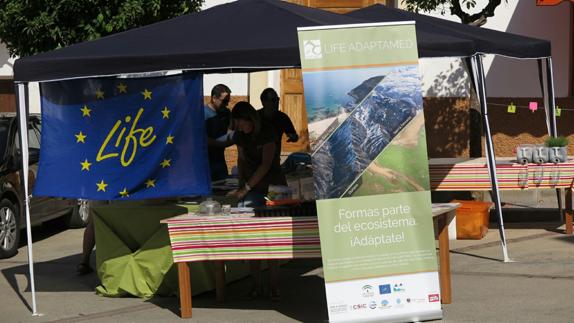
[
  {"x": 434, "y": 298},
  {"x": 359, "y": 306},
  {"x": 398, "y": 288},
  {"x": 373, "y": 305},
  {"x": 385, "y": 289},
  {"x": 312, "y": 49},
  {"x": 368, "y": 291}
]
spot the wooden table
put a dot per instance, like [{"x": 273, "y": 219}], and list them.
[
  {"x": 459, "y": 174},
  {"x": 201, "y": 238}
]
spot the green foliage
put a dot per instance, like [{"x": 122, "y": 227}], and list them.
[
  {"x": 455, "y": 8},
  {"x": 28, "y": 27},
  {"x": 556, "y": 142},
  {"x": 426, "y": 5}
]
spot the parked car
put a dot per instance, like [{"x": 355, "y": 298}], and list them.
[{"x": 42, "y": 209}]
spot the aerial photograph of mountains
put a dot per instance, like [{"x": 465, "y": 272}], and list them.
[{"x": 354, "y": 116}]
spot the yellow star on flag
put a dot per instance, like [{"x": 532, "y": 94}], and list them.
[
  {"x": 150, "y": 183},
  {"x": 166, "y": 163},
  {"x": 146, "y": 94},
  {"x": 86, "y": 165},
  {"x": 124, "y": 193},
  {"x": 99, "y": 94},
  {"x": 102, "y": 186},
  {"x": 86, "y": 111},
  {"x": 81, "y": 138},
  {"x": 122, "y": 88},
  {"x": 169, "y": 140},
  {"x": 165, "y": 113}
]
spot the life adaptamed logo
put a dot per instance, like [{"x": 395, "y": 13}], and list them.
[
  {"x": 312, "y": 49},
  {"x": 368, "y": 291}
]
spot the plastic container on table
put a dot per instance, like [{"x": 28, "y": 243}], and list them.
[
  {"x": 472, "y": 219},
  {"x": 210, "y": 207}
]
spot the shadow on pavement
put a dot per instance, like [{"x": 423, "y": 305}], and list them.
[
  {"x": 44, "y": 231},
  {"x": 566, "y": 238},
  {"x": 58, "y": 275},
  {"x": 474, "y": 255},
  {"x": 302, "y": 295}
]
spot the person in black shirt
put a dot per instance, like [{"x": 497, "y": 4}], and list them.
[
  {"x": 258, "y": 168},
  {"x": 217, "y": 120},
  {"x": 280, "y": 121},
  {"x": 258, "y": 163}
]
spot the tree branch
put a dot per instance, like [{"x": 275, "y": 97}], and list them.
[{"x": 477, "y": 19}]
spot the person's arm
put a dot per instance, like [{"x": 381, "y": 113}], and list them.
[
  {"x": 290, "y": 131},
  {"x": 261, "y": 171},
  {"x": 223, "y": 141}
]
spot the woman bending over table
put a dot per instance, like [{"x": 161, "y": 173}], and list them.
[{"x": 258, "y": 167}]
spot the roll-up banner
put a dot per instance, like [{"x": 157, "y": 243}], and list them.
[{"x": 370, "y": 165}]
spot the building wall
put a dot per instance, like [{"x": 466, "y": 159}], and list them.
[
  {"x": 507, "y": 77},
  {"x": 446, "y": 84}
]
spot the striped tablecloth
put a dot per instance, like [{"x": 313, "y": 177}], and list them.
[
  {"x": 454, "y": 174},
  {"x": 199, "y": 238}
]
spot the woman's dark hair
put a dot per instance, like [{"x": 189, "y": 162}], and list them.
[{"x": 244, "y": 110}]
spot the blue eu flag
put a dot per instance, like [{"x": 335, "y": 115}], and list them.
[{"x": 123, "y": 138}]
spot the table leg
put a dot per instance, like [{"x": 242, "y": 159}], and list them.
[
  {"x": 220, "y": 281},
  {"x": 568, "y": 213},
  {"x": 184, "y": 289},
  {"x": 444, "y": 259}
]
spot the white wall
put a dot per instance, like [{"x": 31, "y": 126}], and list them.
[
  {"x": 238, "y": 83},
  {"x": 508, "y": 77},
  {"x": 6, "y": 63}
]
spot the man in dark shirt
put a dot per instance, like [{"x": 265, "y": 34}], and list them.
[
  {"x": 217, "y": 119},
  {"x": 280, "y": 121}
]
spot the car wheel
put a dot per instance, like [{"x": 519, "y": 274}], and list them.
[
  {"x": 9, "y": 229},
  {"x": 79, "y": 216}
]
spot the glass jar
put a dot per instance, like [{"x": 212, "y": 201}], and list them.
[{"x": 209, "y": 207}]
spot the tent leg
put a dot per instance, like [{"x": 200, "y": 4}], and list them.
[
  {"x": 549, "y": 100},
  {"x": 478, "y": 73},
  {"x": 550, "y": 108},
  {"x": 22, "y": 89}
]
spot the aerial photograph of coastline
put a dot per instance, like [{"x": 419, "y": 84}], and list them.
[
  {"x": 333, "y": 96},
  {"x": 354, "y": 133}
]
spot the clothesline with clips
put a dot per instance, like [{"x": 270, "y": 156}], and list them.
[{"x": 532, "y": 106}]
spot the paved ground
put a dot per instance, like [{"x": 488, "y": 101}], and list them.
[{"x": 538, "y": 287}]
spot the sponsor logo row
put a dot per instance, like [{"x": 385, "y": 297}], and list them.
[
  {"x": 383, "y": 304},
  {"x": 368, "y": 290}
]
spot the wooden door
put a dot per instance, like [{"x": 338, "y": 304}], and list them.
[{"x": 292, "y": 99}]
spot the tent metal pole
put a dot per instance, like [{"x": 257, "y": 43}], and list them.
[
  {"x": 22, "y": 89},
  {"x": 549, "y": 96},
  {"x": 550, "y": 108},
  {"x": 478, "y": 73},
  {"x": 543, "y": 89}
]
